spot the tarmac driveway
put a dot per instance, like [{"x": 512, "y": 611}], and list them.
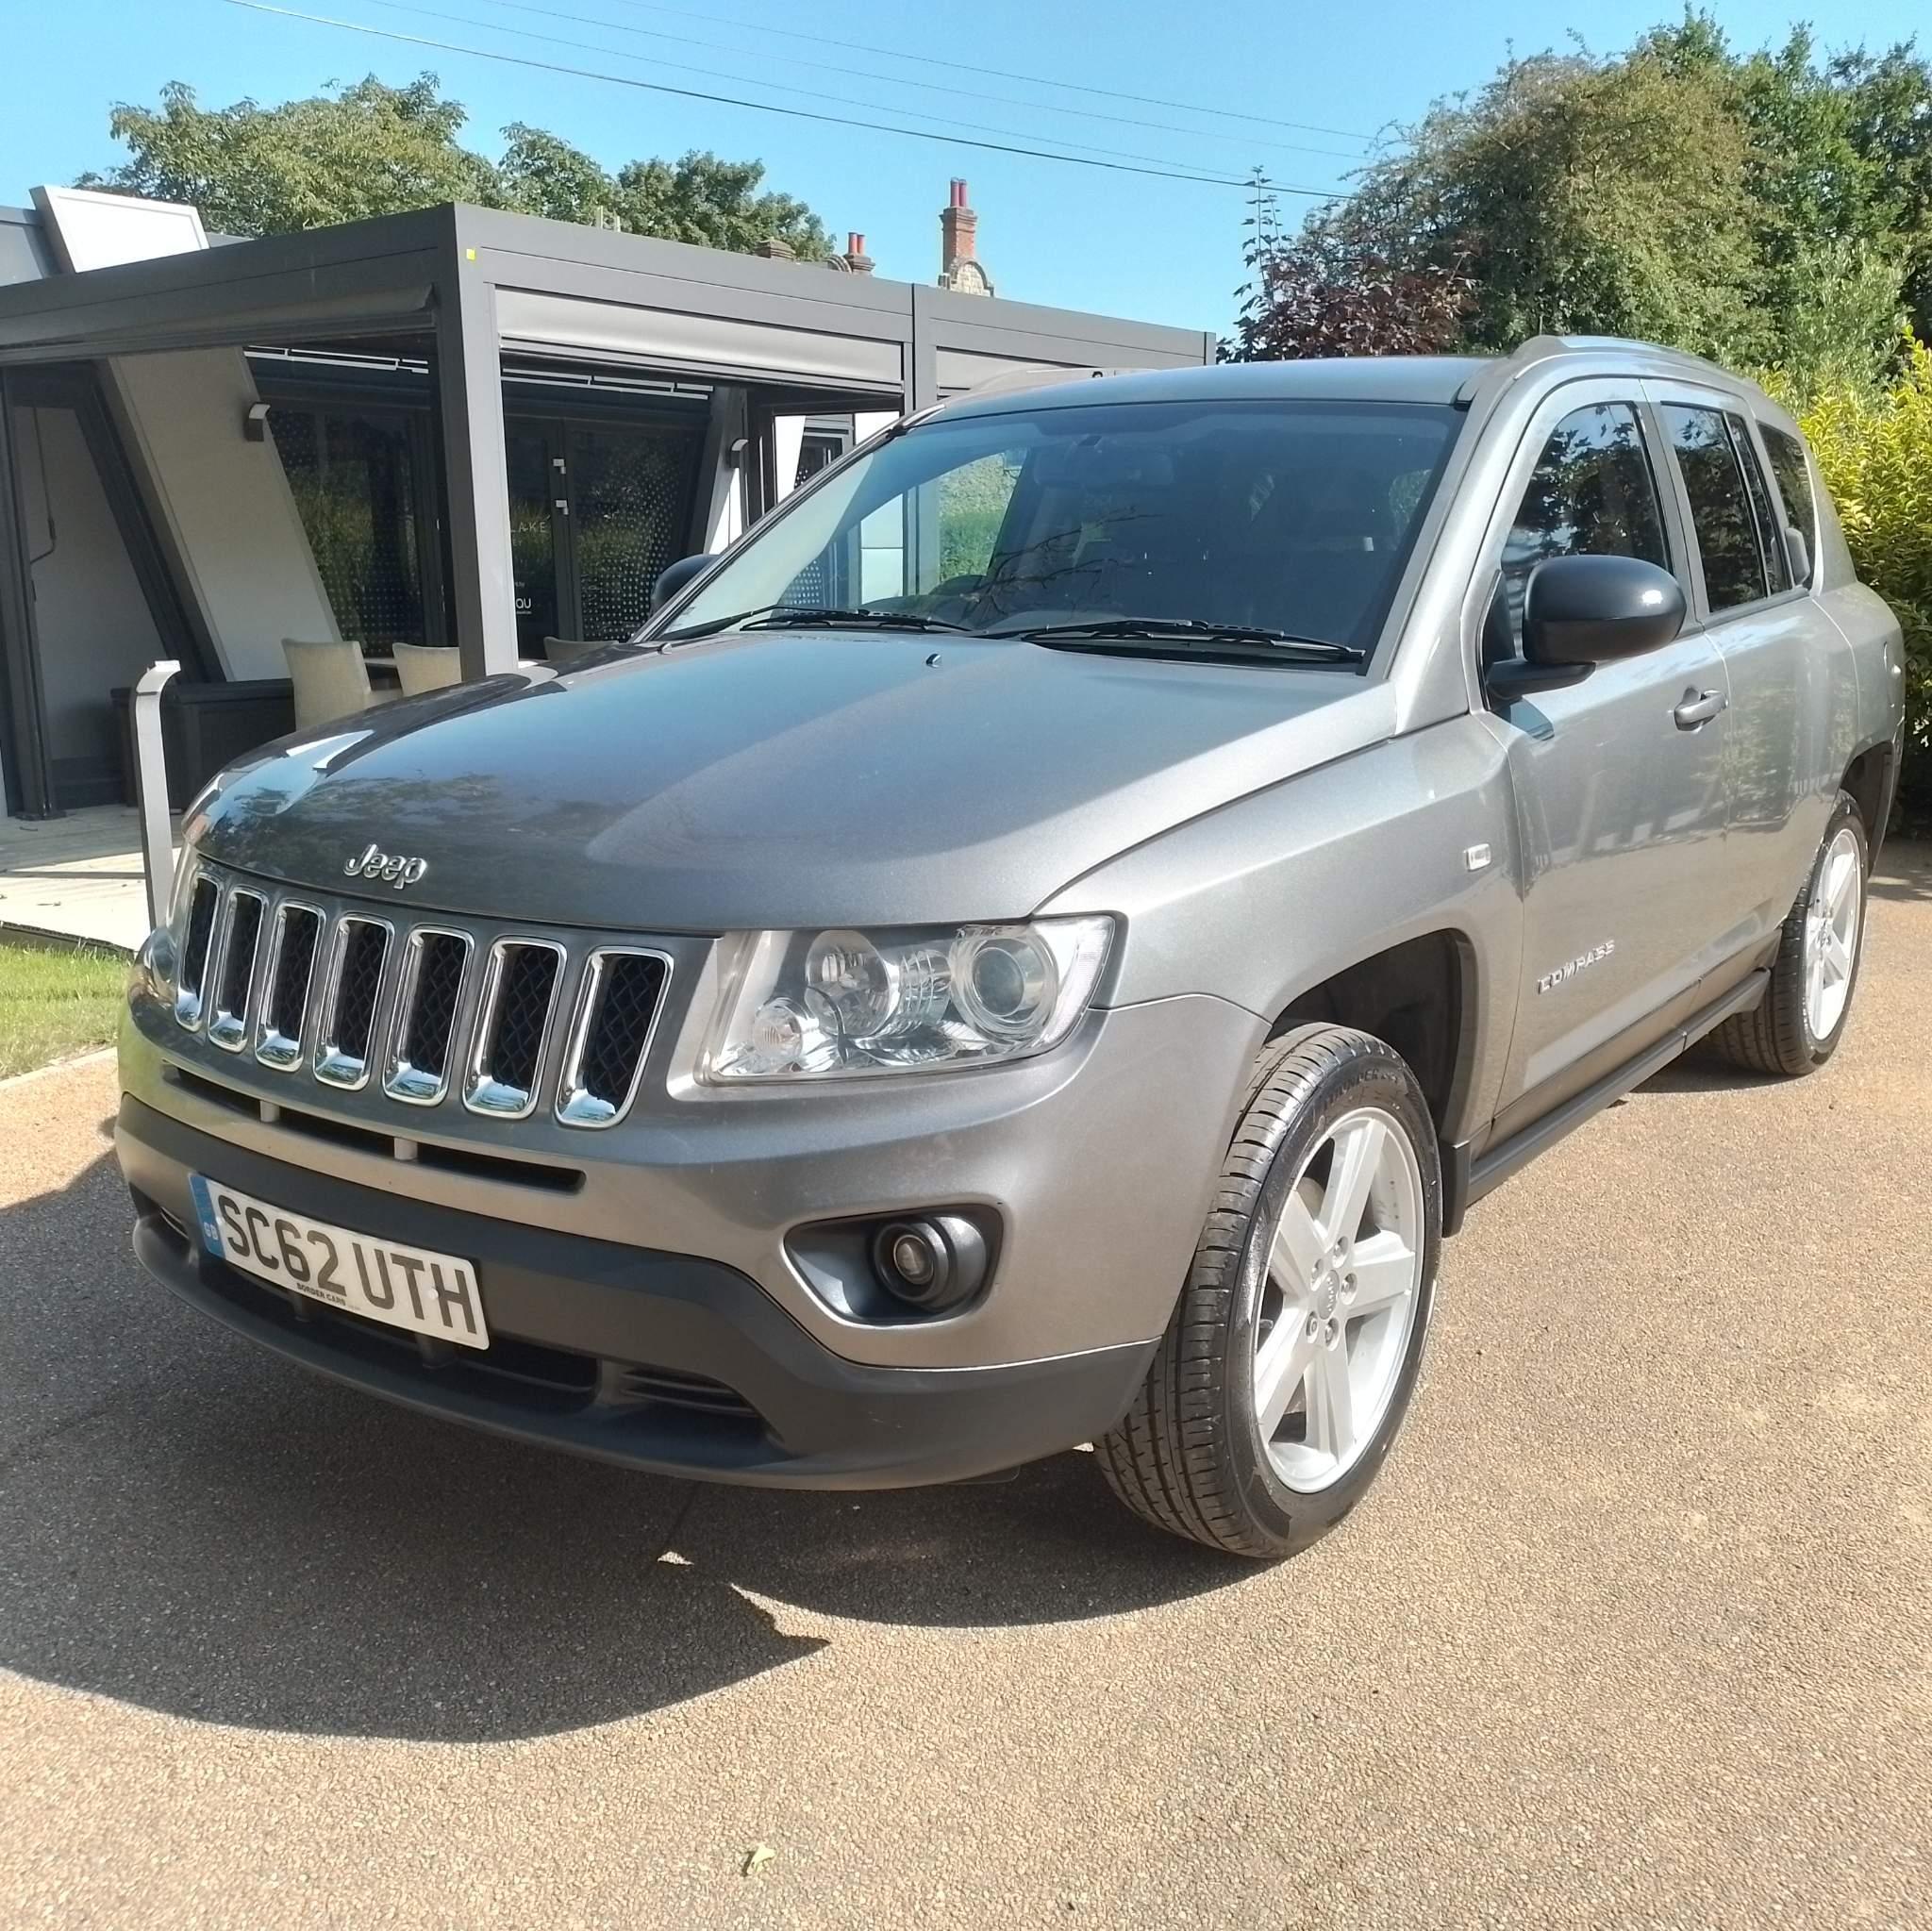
[{"x": 1635, "y": 1629}]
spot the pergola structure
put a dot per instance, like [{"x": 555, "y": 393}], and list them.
[{"x": 462, "y": 287}]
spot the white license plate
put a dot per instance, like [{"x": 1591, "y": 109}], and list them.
[{"x": 404, "y": 1286}]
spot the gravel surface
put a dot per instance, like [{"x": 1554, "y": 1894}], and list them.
[{"x": 1633, "y": 1631}]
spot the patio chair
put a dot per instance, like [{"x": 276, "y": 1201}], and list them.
[
  {"x": 331, "y": 679},
  {"x": 427, "y": 667}
]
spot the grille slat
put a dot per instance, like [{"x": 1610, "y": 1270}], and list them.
[
  {"x": 617, "y": 1013},
  {"x": 294, "y": 940},
  {"x": 335, "y": 989},
  {"x": 679, "y": 1388},
  {"x": 194, "y": 950},
  {"x": 348, "y": 1020},
  {"x": 512, "y": 1024},
  {"x": 428, "y": 998},
  {"x": 227, "y": 1025}
]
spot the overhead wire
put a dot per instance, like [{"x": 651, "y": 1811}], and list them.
[
  {"x": 1245, "y": 182},
  {"x": 750, "y": 81},
  {"x": 851, "y": 73},
  {"x": 957, "y": 66}
]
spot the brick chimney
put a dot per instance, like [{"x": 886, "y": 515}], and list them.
[
  {"x": 958, "y": 225},
  {"x": 857, "y": 260},
  {"x": 959, "y": 265}
]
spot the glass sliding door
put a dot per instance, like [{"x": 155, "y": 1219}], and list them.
[
  {"x": 352, "y": 473},
  {"x": 596, "y": 511},
  {"x": 539, "y": 519},
  {"x": 630, "y": 494}
]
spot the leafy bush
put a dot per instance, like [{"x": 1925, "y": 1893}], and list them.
[{"x": 1874, "y": 443}]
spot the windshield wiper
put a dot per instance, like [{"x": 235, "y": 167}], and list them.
[
  {"x": 833, "y": 619},
  {"x": 1191, "y": 631},
  {"x": 804, "y": 616}
]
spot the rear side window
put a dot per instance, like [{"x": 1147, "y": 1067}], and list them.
[
  {"x": 1721, "y": 511},
  {"x": 1771, "y": 538},
  {"x": 1793, "y": 475},
  {"x": 1591, "y": 494}
]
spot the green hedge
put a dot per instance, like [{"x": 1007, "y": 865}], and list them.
[{"x": 1874, "y": 447}]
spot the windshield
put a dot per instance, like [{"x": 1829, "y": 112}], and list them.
[{"x": 1292, "y": 518}]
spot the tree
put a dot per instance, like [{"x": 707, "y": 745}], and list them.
[
  {"x": 1314, "y": 294},
  {"x": 700, "y": 198},
  {"x": 1604, "y": 197},
  {"x": 1824, "y": 213},
  {"x": 366, "y": 149},
  {"x": 370, "y": 149},
  {"x": 1892, "y": 126},
  {"x": 1771, "y": 207}
]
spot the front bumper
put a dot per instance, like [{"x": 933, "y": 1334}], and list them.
[
  {"x": 665, "y": 1362},
  {"x": 1099, "y": 1158}
]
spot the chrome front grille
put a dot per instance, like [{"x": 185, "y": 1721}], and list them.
[
  {"x": 519, "y": 1001},
  {"x": 427, "y": 995},
  {"x": 294, "y": 940},
  {"x": 349, "y": 998},
  {"x": 228, "y": 1025},
  {"x": 203, "y": 906},
  {"x": 610, "y": 1031},
  {"x": 509, "y": 1021}
]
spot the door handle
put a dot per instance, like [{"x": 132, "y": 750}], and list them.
[{"x": 1698, "y": 708}]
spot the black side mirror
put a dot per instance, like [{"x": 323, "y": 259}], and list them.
[
  {"x": 673, "y": 579},
  {"x": 1582, "y": 612}
]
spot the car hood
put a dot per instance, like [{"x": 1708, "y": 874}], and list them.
[{"x": 781, "y": 780}]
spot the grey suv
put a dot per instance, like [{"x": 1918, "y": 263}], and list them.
[{"x": 1038, "y": 943}]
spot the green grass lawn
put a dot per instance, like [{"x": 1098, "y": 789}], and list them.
[{"x": 54, "y": 1005}]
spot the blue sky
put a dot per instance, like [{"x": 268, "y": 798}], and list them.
[{"x": 1077, "y": 237}]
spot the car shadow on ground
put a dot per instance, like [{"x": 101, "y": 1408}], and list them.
[
  {"x": 1700, "y": 1071},
  {"x": 191, "y": 1525},
  {"x": 1904, "y": 873}
]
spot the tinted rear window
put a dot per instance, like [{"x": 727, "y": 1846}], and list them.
[
  {"x": 1721, "y": 510},
  {"x": 1794, "y": 474},
  {"x": 1771, "y": 536}
]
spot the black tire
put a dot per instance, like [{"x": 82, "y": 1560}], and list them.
[
  {"x": 1188, "y": 1456},
  {"x": 1775, "y": 1036}
]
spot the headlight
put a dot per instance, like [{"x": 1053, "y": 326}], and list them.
[{"x": 817, "y": 1005}]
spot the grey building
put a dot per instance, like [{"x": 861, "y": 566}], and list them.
[{"x": 449, "y": 427}]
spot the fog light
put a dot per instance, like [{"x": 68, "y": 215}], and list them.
[
  {"x": 914, "y": 1260},
  {"x": 934, "y": 1263}
]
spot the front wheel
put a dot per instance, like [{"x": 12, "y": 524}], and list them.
[{"x": 1293, "y": 1352}]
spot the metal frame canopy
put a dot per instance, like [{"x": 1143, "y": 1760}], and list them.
[{"x": 476, "y": 282}]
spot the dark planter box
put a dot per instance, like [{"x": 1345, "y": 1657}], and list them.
[{"x": 204, "y": 727}]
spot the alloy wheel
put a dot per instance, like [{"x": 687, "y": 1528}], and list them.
[
  {"x": 1344, "y": 1276},
  {"x": 1831, "y": 934}
]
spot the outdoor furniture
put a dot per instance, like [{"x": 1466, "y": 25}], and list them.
[
  {"x": 205, "y": 727},
  {"x": 427, "y": 667},
  {"x": 331, "y": 679}
]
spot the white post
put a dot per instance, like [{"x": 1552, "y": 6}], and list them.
[
  {"x": 788, "y": 444},
  {"x": 151, "y": 788}
]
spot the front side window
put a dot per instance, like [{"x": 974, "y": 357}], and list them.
[
  {"x": 1794, "y": 474},
  {"x": 1591, "y": 494},
  {"x": 1720, "y": 511},
  {"x": 1292, "y": 516}
]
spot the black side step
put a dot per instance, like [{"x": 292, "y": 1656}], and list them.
[{"x": 1466, "y": 1180}]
